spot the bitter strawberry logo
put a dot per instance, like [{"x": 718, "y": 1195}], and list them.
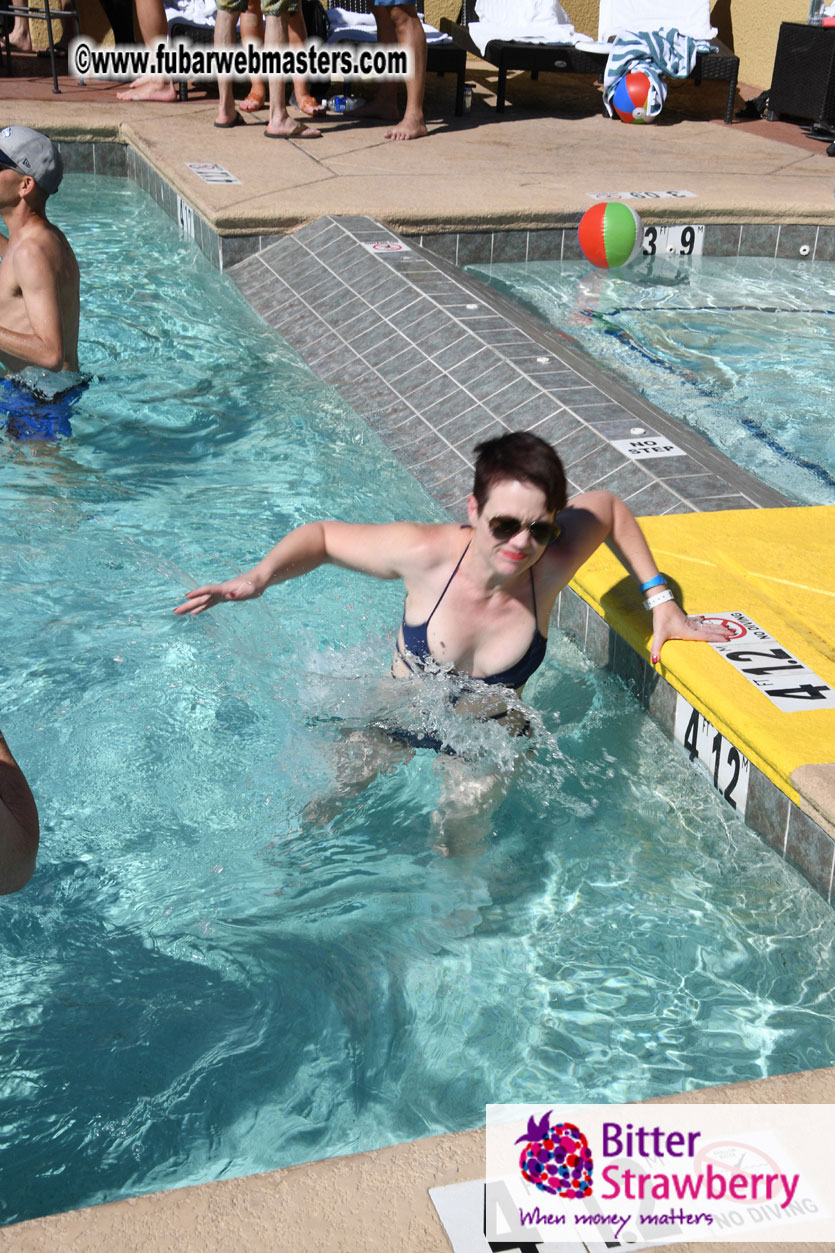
[{"x": 557, "y": 1158}]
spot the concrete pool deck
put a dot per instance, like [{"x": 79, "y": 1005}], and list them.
[
  {"x": 535, "y": 166},
  {"x": 375, "y": 1202},
  {"x": 533, "y": 170}
]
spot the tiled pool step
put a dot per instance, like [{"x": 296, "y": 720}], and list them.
[{"x": 434, "y": 361}]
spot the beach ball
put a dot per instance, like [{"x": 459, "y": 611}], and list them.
[
  {"x": 631, "y": 96},
  {"x": 610, "y": 234}
]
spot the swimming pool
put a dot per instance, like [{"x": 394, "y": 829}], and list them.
[
  {"x": 200, "y": 981},
  {"x": 738, "y": 347}
]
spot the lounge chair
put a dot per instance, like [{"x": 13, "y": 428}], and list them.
[
  {"x": 688, "y": 17},
  {"x": 519, "y": 52},
  {"x": 443, "y": 56},
  {"x": 194, "y": 22},
  {"x": 584, "y": 56}
]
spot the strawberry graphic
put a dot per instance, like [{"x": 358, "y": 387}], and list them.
[{"x": 557, "y": 1158}]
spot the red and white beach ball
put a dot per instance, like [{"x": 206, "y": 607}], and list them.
[
  {"x": 610, "y": 234},
  {"x": 630, "y": 97}
]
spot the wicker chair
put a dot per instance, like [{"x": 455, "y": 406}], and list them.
[
  {"x": 690, "y": 17},
  {"x": 181, "y": 28}
]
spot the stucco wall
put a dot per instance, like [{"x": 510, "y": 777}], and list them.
[
  {"x": 755, "y": 28},
  {"x": 749, "y": 27}
]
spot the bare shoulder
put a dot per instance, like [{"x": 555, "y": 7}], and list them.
[
  {"x": 586, "y": 505},
  {"x": 388, "y": 550},
  {"x": 42, "y": 244},
  {"x": 432, "y": 544},
  {"x": 584, "y": 524}
]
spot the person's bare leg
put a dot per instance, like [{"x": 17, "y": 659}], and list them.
[
  {"x": 18, "y": 824},
  {"x": 400, "y": 24},
  {"x": 252, "y": 32},
  {"x": 410, "y": 35},
  {"x": 20, "y": 36},
  {"x": 153, "y": 27},
  {"x": 383, "y": 103},
  {"x": 297, "y": 34},
  {"x": 225, "y": 25},
  {"x": 69, "y": 29},
  {"x": 360, "y": 756},
  {"x": 467, "y": 805},
  {"x": 280, "y": 123}
]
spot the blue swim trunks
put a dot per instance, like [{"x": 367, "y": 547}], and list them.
[{"x": 26, "y": 414}]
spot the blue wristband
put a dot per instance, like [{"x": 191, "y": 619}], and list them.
[{"x": 656, "y": 582}]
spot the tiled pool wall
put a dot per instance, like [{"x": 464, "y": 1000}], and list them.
[
  {"x": 434, "y": 361},
  {"x": 754, "y": 239}
]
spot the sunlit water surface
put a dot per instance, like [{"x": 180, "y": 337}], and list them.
[
  {"x": 741, "y": 348},
  {"x": 203, "y": 980}
]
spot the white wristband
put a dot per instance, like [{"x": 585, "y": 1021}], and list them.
[{"x": 652, "y": 602}]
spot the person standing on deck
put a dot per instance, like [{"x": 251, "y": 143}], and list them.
[
  {"x": 279, "y": 14},
  {"x": 400, "y": 24}
]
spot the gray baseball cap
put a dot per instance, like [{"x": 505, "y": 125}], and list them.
[{"x": 30, "y": 152}]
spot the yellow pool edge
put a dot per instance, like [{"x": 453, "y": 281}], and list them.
[{"x": 776, "y": 567}]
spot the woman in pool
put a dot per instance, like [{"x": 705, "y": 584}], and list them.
[{"x": 478, "y": 597}]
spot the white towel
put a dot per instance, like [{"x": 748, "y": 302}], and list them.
[
  {"x": 690, "y": 17},
  {"x": 556, "y": 33},
  {"x": 522, "y": 21},
  {"x": 520, "y": 14},
  {"x": 200, "y": 12},
  {"x": 348, "y": 27}
]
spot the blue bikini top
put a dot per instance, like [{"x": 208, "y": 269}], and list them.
[{"x": 417, "y": 645}]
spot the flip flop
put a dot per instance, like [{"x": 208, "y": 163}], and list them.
[
  {"x": 227, "y": 126},
  {"x": 300, "y": 132},
  {"x": 311, "y": 106}
]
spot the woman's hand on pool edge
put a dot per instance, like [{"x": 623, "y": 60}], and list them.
[
  {"x": 671, "y": 623},
  {"x": 239, "y": 588}
]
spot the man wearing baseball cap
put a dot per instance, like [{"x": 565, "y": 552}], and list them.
[{"x": 39, "y": 302}]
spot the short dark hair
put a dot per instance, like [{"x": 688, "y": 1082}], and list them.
[{"x": 524, "y": 456}]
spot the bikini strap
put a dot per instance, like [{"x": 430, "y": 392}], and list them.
[
  {"x": 533, "y": 598},
  {"x": 449, "y": 580}
]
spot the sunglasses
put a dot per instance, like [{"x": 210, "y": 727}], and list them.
[{"x": 504, "y": 527}]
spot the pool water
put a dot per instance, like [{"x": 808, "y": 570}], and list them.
[
  {"x": 204, "y": 979},
  {"x": 741, "y": 348}
]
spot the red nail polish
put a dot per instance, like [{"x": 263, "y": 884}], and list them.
[{"x": 654, "y": 661}]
